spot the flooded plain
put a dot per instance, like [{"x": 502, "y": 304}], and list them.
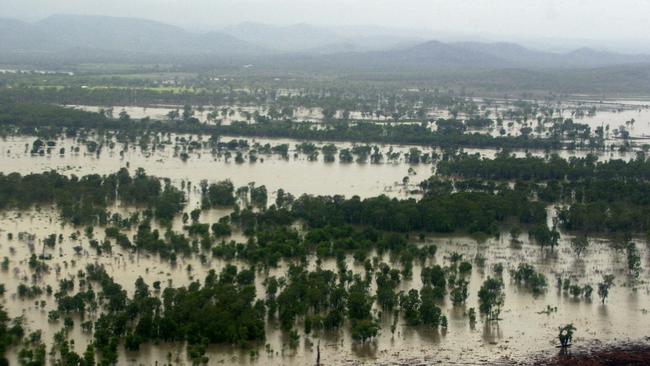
[
  {"x": 615, "y": 117},
  {"x": 528, "y": 326},
  {"x": 295, "y": 173}
]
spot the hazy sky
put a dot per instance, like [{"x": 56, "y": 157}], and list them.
[{"x": 589, "y": 19}]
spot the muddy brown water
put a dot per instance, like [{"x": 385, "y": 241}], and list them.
[
  {"x": 523, "y": 330},
  {"x": 631, "y": 115}
]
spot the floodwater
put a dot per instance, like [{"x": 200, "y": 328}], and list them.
[
  {"x": 524, "y": 329},
  {"x": 225, "y": 114},
  {"x": 613, "y": 116},
  {"x": 296, "y": 174}
]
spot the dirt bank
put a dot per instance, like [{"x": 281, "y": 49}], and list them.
[{"x": 611, "y": 355}]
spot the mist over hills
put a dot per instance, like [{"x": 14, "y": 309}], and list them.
[
  {"x": 306, "y": 38},
  {"x": 62, "y": 33},
  {"x": 75, "y": 38}
]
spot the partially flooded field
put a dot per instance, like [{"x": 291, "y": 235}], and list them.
[
  {"x": 258, "y": 194},
  {"x": 615, "y": 117},
  {"x": 527, "y": 324},
  {"x": 297, "y": 173}
]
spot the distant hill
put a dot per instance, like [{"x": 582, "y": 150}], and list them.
[
  {"x": 66, "y": 39},
  {"x": 435, "y": 55},
  {"x": 298, "y": 37},
  {"x": 16, "y": 35},
  {"x": 525, "y": 57},
  {"x": 72, "y": 32},
  {"x": 305, "y": 38}
]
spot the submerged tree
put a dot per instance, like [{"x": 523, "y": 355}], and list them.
[
  {"x": 491, "y": 298},
  {"x": 579, "y": 244},
  {"x": 10, "y": 332},
  {"x": 545, "y": 236},
  {"x": 566, "y": 335},
  {"x": 633, "y": 261},
  {"x": 603, "y": 287}
]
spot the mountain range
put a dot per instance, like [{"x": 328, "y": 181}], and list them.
[
  {"x": 77, "y": 38},
  {"x": 62, "y": 33}
]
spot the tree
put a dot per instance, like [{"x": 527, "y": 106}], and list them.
[
  {"x": 387, "y": 280},
  {"x": 221, "y": 194},
  {"x": 459, "y": 293},
  {"x": 566, "y": 335},
  {"x": 579, "y": 244},
  {"x": 221, "y": 228},
  {"x": 544, "y": 236},
  {"x": 603, "y": 287},
  {"x": 435, "y": 277},
  {"x": 173, "y": 114},
  {"x": 37, "y": 146},
  {"x": 359, "y": 301},
  {"x": 410, "y": 304},
  {"x": 283, "y": 199},
  {"x": 526, "y": 275},
  {"x": 429, "y": 313},
  {"x": 195, "y": 214},
  {"x": 633, "y": 260},
  {"x": 187, "y": 112},
  {"x": 259, "y": 196},
  {"x": 328, "y": 114},
  {"x": 8, "y": 334},
  {"x": 364, "y": 329},
  {"x": 124, "y": 116},
  {"x": 491, "y": 298}
]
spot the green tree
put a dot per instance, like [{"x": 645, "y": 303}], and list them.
[
  {"x": 604, "y": 286},
  {"x": 566, "y": 335},
  {"x": 491, "y": 298},
  {"x": 579, "y": 244}
]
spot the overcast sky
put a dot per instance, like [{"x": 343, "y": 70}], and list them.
[{"x": 589, "y": 19}]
